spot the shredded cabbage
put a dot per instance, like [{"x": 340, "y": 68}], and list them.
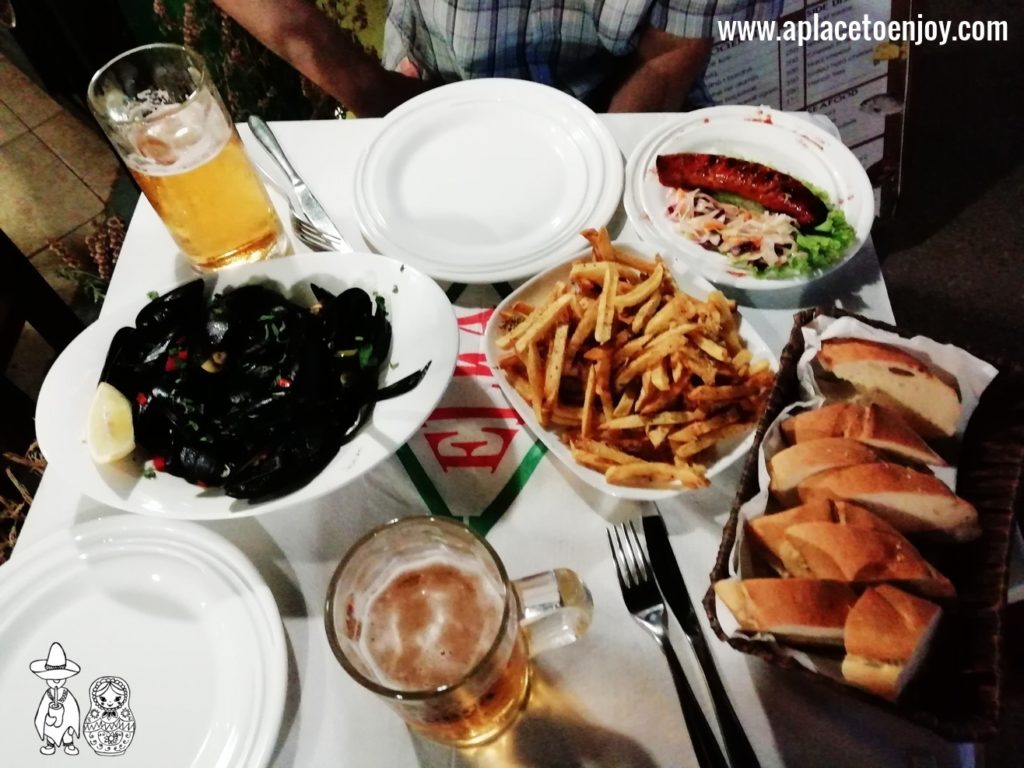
[{"x": 757, "y": 241}]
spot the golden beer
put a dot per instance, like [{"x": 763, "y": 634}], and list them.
[
  {"x": 163, "y": 114},
  {"x": 467, "y": 717},
  {"x": 217, "y": 212},
  {"x": 422, "y": 613}
]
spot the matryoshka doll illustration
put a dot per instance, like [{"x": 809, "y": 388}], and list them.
[{"x": 110, "y": 725}]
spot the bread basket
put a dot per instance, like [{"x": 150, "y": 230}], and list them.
[{"x": 957, "y": 694}]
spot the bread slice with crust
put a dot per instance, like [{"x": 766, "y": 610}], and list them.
[
  {"x": 887, "y": 636},
  {"x": 861, "y": 556},
  {"x": 797, "y": 611},
  {"x": 912, "y": 501},
  {"x": 876, "y": 426},
  {"x": 887, "y": 375},
  {"x": 791, "y": 466},
  {"x": 768, "y": 532}
]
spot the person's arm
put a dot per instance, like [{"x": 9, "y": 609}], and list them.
[
  {"x": 329, "y": 56},
  {"x": 661, "y": 73}
]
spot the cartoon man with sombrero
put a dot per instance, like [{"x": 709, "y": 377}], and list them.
[{"x": 58, "y": 719}]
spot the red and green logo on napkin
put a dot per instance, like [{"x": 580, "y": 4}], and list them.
[{"x": 474, "y": 454}]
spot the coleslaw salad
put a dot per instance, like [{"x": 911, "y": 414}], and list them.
[{"x": 757, "y": 241}]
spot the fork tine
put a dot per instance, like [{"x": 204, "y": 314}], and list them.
[
  {"x": 617, "y": 557},
  {"x": 620, "y": 557},
  {"x": 632, "y": 567},
  {"x": 643, "y": 564}
]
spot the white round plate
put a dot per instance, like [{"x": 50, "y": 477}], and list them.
[
  {"x": 535, "y": 292},
  {"x": 175, "y": 611},
  {"x": 487, "y": 180},
  {"x": 781, "y": 140},
  {"x": 424, "y": 330}
]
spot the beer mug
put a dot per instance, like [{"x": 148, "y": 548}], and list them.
[
  {"x": 161, "y": 110},
  {"x": 421, "y": 612}
]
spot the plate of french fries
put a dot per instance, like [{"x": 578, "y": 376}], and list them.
[{"x": 636, "y": 373}]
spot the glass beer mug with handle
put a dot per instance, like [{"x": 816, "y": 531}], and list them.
[
  {"x": 421, "y": 612},
  {"x": 161, "y": 110}
]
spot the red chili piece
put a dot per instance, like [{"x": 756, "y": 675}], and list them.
[
  {"x": 284, "y": 383},
  {"x": 141, "y": 399},
  {"x": 159, "y": 463},
  {"x": 183, "y": 354},
  {"x": 170, "y": 365}
]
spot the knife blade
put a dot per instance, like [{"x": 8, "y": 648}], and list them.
[
  {"x": 308, "y": 204},
  {"x": 673, "y": 588}
]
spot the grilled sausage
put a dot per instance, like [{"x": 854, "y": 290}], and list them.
[{"x": 776, "y": 191}]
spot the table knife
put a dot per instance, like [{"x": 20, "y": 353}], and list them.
[
  {"x": 308, "y": 204},
  {"x": 673, "y": 587}
]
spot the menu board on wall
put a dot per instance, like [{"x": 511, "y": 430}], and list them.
[{"x": 860, "y": 85}]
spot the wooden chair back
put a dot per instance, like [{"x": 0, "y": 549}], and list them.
[{"x": 26, "y": 297}]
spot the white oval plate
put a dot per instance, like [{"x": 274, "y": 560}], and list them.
[
  {"x": 173, "y": 609},
  {"x": 535, "y": 291},
  {"x": 788, "y": 143},
  {"x": 424, "y": 330},
  {"x": 487, "y": 180}
]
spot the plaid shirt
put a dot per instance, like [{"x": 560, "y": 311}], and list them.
[{"x": 569, "y": 44}]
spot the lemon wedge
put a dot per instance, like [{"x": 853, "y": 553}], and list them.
[{"x": 111, "y": 434}]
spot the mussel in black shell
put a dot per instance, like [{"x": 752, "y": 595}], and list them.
[{"x": 250, "y": 392}]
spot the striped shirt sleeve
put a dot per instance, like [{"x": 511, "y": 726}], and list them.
[{"x": 696, "y": 18}]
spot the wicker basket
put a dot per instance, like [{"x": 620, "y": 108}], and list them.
[{"x": 957, "y": 694}]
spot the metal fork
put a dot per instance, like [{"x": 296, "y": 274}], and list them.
[
  {"x": 645, "y": 603},
  {"x": 316, "y": 239}
]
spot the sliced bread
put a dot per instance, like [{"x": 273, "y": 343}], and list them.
[
  {"x": 876, "y": 426},
  {"x": 889, "y": 376},
  {"x": 912, "y": 501},
  {"x": 888, "y": 633},
  {"x": 768, "y": 532},
  {"x": 791, "y": 466},
  {"x": 861, "y": 556},
  {"x": 799, "y": 611}
]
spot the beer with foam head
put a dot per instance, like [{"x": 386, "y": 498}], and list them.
[
  {"x": 422, "y": 613},
  {"x": 164, "y": 116},
  {"x": 431, "y": 625}
]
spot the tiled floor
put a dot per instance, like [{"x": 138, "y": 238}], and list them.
[{"x": 56, "y": 175}]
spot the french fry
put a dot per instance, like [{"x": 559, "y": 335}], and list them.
[
  {"x": 535, "y": 377},
  {"x": 601, "y": 243},
  {"x": 669, "y": 418},
  {"x": 606, "y": 451},
  {"x": 548, "y": 318},
  {"x": 566, "y": 415},
  {"x": 657, "y": 435},
  {"x": 583, "y": 329},
  {"x": 555, "y": 363},
  {"x": 625, "y": 405},
  {"x": 699, "y": 428},
  {"x": 686, "y": 450},
  {"x": 652, "y": 474},
  {"x": 606, "y": 306},
  {"x": 588, "y": 402},
  {"x": 591, "y": 460},
  {"x": 633, "y": 421},
  {"x": 708, "y": 393},
  {"x": 643, "y": 291},
  {"x": 636, "y": 376},
  {"x": 711, "y": 349},
  {"x": 645, "y": 313}
]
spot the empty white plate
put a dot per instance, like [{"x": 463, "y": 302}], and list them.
[
  {"x": 487, "y": 180},
  {"x": 173, "y": 610}
]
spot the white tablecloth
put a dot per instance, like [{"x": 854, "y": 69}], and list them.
[{"x": 608, "y": 700}]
